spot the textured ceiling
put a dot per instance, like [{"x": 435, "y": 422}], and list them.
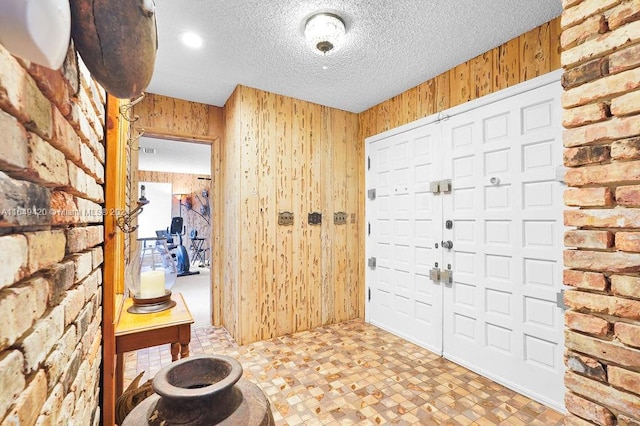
[
  {"x": 174, "y": 156},
  {"x": 390, "y": 46}
]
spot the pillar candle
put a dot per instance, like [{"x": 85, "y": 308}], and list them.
[{"x": 151, "y": 284}]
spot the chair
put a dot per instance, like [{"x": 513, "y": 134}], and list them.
[{"x": 197, "y": 250}]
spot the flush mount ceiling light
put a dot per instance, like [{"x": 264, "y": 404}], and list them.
[
  {"x": 191, "y": 40},
  {"x": 324, "y": 33}
]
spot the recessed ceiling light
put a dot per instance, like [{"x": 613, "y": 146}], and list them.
[
  {"x": 324, "y": 67},
  {"x": 191, "y": 40}
]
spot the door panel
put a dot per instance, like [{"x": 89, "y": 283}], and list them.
[
  {"x": 405, "y": 225},
  {"x": 500, "y": 313},
  {"x": 498, "y": 316}
]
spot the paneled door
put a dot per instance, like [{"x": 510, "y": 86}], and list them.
[
  {"x": 497, "y": 233},
  {"x": 404, "y": 223},
  {"x": 500, "y": 312}
]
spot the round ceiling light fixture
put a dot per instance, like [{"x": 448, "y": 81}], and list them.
[
  {"x": 324, "y": 33},
  {"x": 191, "y": 40}
]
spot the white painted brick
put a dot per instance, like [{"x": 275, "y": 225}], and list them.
[
  {"x": 90, "y": 212},
  {"x": 13, "y": 149},
  {"x": 83, "y": 322},
  {"x": 73, "y": 304},
  {"x": 97, "y": 257},
  {"x": 80, "y": 378},
  {"x": 27, "y": 406},
  {"x": 20, "y": 307},
  {"x": 582, "y": 10},
  {"x": 45, "y": 248},
  {"x": 61, "y": 354},
  {"x": 52, "y": 409},
  {"x": 602, "y": 88},
  {"x": 626, "y": 104},
  {"x": 39, "y": 342},
  {"x": 84, "y": 265},
  {"x": 88, "y": 159},
  {"x": 90, "y": 285},
  {"x": 12, "y": 381},
  {"x": 77, "y": 178},
  {"x": 20, "y": 96},
  {"x": 70, "y": 371},
  {"x": 601, "y": 45},
  {"x": 46, "y": 163},
  {"x": 68, "y": 405},
  {"x": 14, "y": 267},
  {"x": 99, "y": 173}
]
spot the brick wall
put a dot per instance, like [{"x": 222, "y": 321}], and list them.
[
  {"x": 601, "y": 57},
  {"x": 51, "y": 191}
]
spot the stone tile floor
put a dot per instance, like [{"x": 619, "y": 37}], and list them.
[{"x": 356, "y": 373}]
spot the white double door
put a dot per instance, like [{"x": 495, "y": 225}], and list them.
[{"x": 503, "y": 217}]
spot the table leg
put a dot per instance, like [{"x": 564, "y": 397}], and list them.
[
  {"x": 119, "y": 374},
  {"x": 175, "y": 349},
  {"x": 184, "y": 334}
]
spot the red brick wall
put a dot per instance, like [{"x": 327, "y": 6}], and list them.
[
  {"x": 51, "y": 195},
  {"x": 601, "y": 57}
]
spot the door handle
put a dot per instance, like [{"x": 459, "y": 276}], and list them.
[{"x": 447, "y": 244}]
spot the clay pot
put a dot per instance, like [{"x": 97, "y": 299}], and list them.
[
  {"x": 117, "y": 41},
  {"x": 203, "y": 390}
]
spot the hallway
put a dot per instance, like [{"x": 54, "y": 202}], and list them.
[{"x": 356, "y": 373}]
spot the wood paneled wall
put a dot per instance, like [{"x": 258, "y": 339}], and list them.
[
  {"x": 282, "y": 154},
  {"x": 183, "y": 183},
  {"x": 170, "y": 118},
  {"x": 532, "y": 54}
]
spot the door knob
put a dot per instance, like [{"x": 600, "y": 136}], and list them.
[{"x": 447, "y": 244}]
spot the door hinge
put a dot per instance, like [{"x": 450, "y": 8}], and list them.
[
  {"x": 369, "y": 296},
  {"x": 371, "y": 194},
  {"x": 368, "y": 163},
  {"x": 369, "y": 228},
  {"x": 560, "y": 300},
  {"x": 372, "y": 262}
]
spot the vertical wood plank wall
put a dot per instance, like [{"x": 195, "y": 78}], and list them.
[
  {"x": 281, "y": 154},
  {"x": 170, "y": 118},
  {"x": 525, "y": 57},
  {"x": 532, "y": 54}
]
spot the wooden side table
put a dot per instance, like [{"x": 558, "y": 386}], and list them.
[{"x": 139, "y": 331}]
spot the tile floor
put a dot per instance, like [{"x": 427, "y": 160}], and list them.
[{"x": 356, "y": 373}]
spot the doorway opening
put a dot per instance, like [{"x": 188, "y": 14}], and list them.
[{"x": 177, "y": 180}]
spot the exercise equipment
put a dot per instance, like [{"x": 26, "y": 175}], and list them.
[{"x": 182, "y": 257}]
